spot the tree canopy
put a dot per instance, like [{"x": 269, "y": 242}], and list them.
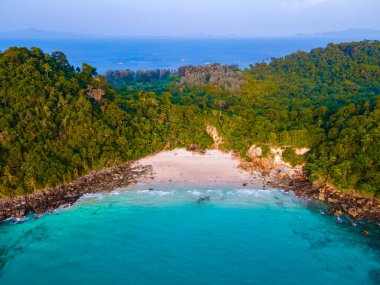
[{"x": 58, "y": 122}]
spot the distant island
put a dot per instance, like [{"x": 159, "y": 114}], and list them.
[
  {"x": 362, "y": 34},
  {"x": 33, "y": 33},
  {"x": 316, "y": 112}
]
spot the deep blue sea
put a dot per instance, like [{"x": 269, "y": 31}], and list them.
[
  {"x": 170, "y": 53},
  {"x": 240, "y": 236}
]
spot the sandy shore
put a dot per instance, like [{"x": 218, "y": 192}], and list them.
[
  {"x": 180, "y": 165},
  {"x": 185, "y": 168}
]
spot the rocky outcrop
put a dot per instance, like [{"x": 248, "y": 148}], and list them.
[
  {"x": 227, "y": 77},
  {"x": 95, "y": 93},
  {"x": 65, "y": 195},
  {"x": 301, "y": 151},
  {"x": 340, "y": 203},
  {"x": 277, "y": 152},
  {"x": 213, "y": 132},
  {"x": 255, "y": 152},
  {"x": 278, "y": 174},
  {"x": 275, "y": 156}
]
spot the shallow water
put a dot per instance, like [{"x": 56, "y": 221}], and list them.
[{"x": 239, "y": 236}]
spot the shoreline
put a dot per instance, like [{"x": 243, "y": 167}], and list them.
[
  {"x": 212, "y": 167},
  {"x": 65, "y": 195},
  {"x": 352, "y": 206}
]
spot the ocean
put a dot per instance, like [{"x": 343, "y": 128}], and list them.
[
  {"x": 239, "y": 236},
  {"x": 147, "y": 54}
]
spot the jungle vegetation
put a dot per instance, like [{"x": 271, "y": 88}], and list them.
[{"x": 58, "y": 122}]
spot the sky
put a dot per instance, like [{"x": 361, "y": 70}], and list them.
[{"x": 144, "y": 18}]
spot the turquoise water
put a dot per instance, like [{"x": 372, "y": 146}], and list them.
[{"x": 239, "y": 236}]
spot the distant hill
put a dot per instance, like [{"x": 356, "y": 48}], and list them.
[
  {"x": 32, "y": 33},
  {"x": 351, "y": 33}
]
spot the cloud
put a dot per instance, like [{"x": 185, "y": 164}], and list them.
[
  {"x": 296, "y": 5},
  {"x": 316, "y": 2}
]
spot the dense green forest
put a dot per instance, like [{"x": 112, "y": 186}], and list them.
[{"x": 58, "y": 122}]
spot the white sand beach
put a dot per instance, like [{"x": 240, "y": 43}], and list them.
[{"x": 186, "y": 166}]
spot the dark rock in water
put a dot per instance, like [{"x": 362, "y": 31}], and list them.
[
  {"x": 45, "y": 201},
  {"x": 245, "y": 184},
  {"x": 203, "y": 199},
  {"x": 340, "y": 203},
  {"x": 151, "y": 189},
  {"x": 365, "y": 233}
]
